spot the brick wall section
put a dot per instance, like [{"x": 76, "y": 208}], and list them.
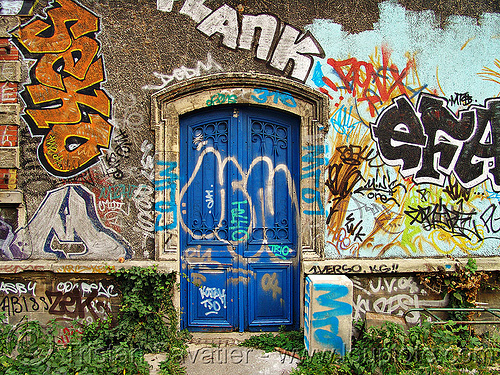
[
  {"x": 8, "y": 132},
  {"x": 8, "y": 92},
  {"x": 7, "y": 50},
  {"x": 8, "y": 178},
  {"x": 8, "y": 135}
]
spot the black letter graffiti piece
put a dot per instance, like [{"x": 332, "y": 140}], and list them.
[
  {"x": 460, "y": 99},
  {"x": 451, "y": 220},
  {"x": 488, "y": 218},
  {"x": 455, "y": 100},
  {"x": 465, "y": 99},
  {"x": 354, "y": 230},
  {"x": 480, "y": 156},
  {"x": 5, "y": 305},
  {"x": 346, "y": 268},
  {"x": 25, "y": 304},
  {"x": 400, "y": 136},
  {"x": 421, "y": 215},
  {"x": 446, "y": 134},
  {"x": 384, "y": 269},
  {"x": 14, "y": 301},
  {"x": 373, "y": 268},
  {"x": 356, "y": 268},
  {"x": 441, "y": 143},
  {"x": 46, "y": 307},
  {"x": 313, "y": 270}
]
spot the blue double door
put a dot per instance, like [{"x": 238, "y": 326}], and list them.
[{"x": 239, "y": 174}]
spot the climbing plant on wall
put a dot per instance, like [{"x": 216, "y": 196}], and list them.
[
  {"x": 146, "y": 323},
  {"x": 462, "y": 286}
]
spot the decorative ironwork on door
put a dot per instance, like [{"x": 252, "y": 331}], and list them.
[{"x": 239, "y": 169}]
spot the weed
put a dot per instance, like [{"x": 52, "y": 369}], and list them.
[
  {"x": 421, "y": 350},
  {"x": 462, "y": 286},
  {"x": 147, "y": 322},
  {"x": 292, "y": 341},
  {"x": 28, "y": 348}
]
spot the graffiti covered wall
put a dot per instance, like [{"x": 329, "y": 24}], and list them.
[
  {"x": 45, "y": 296},
  {"x": 412, "y": 168},
  {"x": 410, "y": 159},
  {"x": 389, "y": 113}
]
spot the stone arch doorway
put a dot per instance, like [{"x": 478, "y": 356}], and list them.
[{"x": 183, "y": 119}]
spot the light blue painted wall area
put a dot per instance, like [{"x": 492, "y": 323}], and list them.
[
  {"x": 457, "y": 53},
  {"x": 414, "y": 176}
]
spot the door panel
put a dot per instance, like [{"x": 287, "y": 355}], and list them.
[
  {"x": 209, "y": 292},
  {"x": 270, "y": 294},
  {"x": 270, "y": 186},
  {"x": 239, "y": 214}
]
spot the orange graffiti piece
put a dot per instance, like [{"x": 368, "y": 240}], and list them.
[
  {"x": 68, "y": 111},
  {"x": 70, "y": 147},
  {"x": 79, "y": 20},
  {"x": 343, "y": 173},
  {"x": 84, "y": 47},
  {"x": 65, "y": 92}
]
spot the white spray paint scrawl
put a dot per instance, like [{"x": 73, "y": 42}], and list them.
[
  {"x": 290, "y": 45},
  {"x": 68, "y": 216},
  {"x": 183, "y": 73}
]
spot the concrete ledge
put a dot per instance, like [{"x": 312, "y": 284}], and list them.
[
  {"x": 11, "y": 197},
  {"x": 82, "y": 267},
  {"x": 326, "y": 267},
  {"x": 392, "y": 265}
]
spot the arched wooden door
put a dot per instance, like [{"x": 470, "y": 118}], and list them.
[{"x": 239, "y": 177}]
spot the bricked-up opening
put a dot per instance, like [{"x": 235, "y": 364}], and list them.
[
  {"x": 11, "y": 218},
  {"x": 8, "y": 179}
]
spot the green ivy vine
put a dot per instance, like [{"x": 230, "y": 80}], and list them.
[{"x": 147, "y": 322}]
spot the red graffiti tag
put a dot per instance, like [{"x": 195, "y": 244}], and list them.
[{"x": 363, "y": 80}]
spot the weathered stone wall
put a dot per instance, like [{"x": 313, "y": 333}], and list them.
[
  {"x": 44, "y": 296},
  {"x": 428, "y": 193},
  {"x": 404, "y": 174}
]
